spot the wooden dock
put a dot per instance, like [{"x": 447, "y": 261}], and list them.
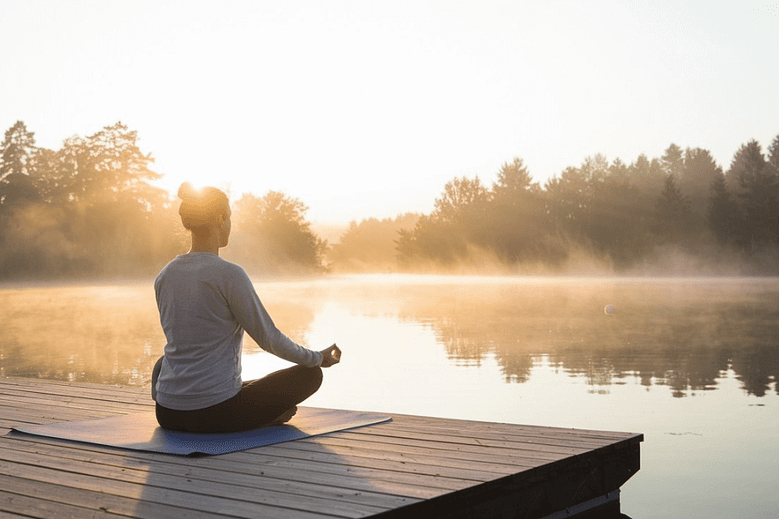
[{"x": 410, "y": 467}]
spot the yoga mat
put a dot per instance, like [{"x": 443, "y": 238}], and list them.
[{"x": 141, "y": 432}]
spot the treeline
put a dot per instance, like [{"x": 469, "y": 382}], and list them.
[
  {"x": 370, "y": 245},
  {"x": 623, "y": 216},
  {"x": 89, "y": 210}
]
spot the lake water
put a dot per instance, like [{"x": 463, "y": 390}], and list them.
[{"x": 693, "y": 364}]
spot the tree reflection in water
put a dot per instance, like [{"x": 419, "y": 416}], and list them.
[{"x": 685, "y": 334}]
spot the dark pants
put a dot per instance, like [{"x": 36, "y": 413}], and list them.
[{"x": 258, "y": 403}]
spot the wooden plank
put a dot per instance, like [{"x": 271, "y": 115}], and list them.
[
  {"x": 527, "y": 453},
  {"x": 497, "y": 466},
  {"x": 100, "y": 395},
  {"x": 34, "y": 499},
  {"x": 71, "y": 401},
  {"x": 358, "y": 445},
  {"x": 513, "y": 428},
  {"x": 524, "y": 434},
  {"x": 151, "y": 494},
  {"x": 146, "y": 477},
  {"x": 106, "y": 398},
  {"x": 216, "y": 474},
  {"x": 328, "y": 458},
  {"x": 516, "y": 443},
  {"x": 43, "y": 508},
  {"x": 38, "y": 384},
  {"x": 46, "y": 414}
]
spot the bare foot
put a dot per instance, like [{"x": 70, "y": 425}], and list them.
[{"x": 286, "y": 416}]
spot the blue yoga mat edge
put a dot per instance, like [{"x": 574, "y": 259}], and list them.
[{"x": 140, "y": 432}]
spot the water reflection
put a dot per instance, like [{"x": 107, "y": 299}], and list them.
[{"x": 684, "y": 334}]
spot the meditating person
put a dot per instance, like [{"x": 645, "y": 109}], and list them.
[{"x": 205, "y": 304}]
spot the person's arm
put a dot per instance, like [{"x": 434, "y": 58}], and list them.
[{"x": 252, "y": 316}]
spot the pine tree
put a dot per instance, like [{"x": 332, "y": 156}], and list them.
[
  {"x": 773, "y": 155},
  {"x": 672, "y": 161},
  {"x": 700, "y": 170},
  {"x": 672, "y": 213},
  {"x": 723, "y": 214},
  {"x": 757, "y": 184},
  {"x": 517, "y": 222},
  {"x": 17, "y": 150}
]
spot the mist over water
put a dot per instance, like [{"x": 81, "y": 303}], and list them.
[
  {"x": 693, "y": 363},
  {"x": 679, "y": 332}
]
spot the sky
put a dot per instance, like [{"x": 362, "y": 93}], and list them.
[{"x": 368, "y": 108}]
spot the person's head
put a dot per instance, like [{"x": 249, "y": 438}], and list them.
[{"x": 205, "y": 212}]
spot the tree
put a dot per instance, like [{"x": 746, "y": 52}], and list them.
[
  {"x": 105, "y": 178},
  {"x": 773, "y": 155},
  {"x": 87, "y": 208},
  {"x": 672, "y": 214},
  {"x": 418, "y": 245},
  {"x": 463, "y": 200},
  {"x": 595, "y": 168},
  {"x": 17, "y": 189},
  {"x": 16, "y": 153},
  {"x": 518, "y": 224},
  {"x": 700, "y": 170},
  {"x": 370, "y": 245},
  {"x": 619, "y": 171},
  {"x": 672, "y": 161},
  {"x": 514, "y": 179},
  {"x": 460, "y": 216},
  {"x": 757, "y": 189},
  {"x": 723, "y": 215},
  {"x": 17, "y": 150},
  {"x": 568, "y": 197},
  {"x": 45, "y": 173},
  {"x": 747, "y": 165},
  {"x": 616, "y": 226},
  {"x": 647, "y": 176},
  {"x": 104, "y": 166},
  {"x": 272, "y": 235},
  {"x": 458, "y": 221},
  {"x": 573, "y": 194},
  {"x": 600, "y": 212}
]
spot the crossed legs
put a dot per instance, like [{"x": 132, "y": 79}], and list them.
[{"x": 270, "y": 399}]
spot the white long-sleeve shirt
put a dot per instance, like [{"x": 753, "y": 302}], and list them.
[{"x": 205, "y": 305}]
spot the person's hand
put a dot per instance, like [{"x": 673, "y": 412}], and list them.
[{"x": 330, "y": 356}]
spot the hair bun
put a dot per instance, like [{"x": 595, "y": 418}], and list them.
[
  {"x": 200, "y": 207},
  {"x": 187, "y": 190}
]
